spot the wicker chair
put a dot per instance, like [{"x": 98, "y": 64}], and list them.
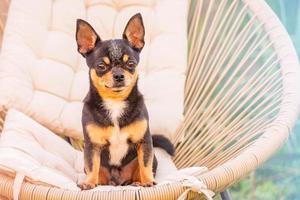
[{"x": 241, "y": 99}]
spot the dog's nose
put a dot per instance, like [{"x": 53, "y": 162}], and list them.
[{"x": 118, "y": 77}]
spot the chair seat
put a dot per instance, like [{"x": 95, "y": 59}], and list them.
[
  {"x": 241, "y": 96},
  {"x": 46, "y": 159}
]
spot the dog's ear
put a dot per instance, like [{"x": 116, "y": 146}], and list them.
[
  {"x": 134, "y": 32},
  {"x": 86, "y": 37}
]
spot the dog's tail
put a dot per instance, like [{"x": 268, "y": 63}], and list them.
[{"x": 164, "y": 143}]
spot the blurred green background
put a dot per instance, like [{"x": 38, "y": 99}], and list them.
[{"x": 278, "y": 178}]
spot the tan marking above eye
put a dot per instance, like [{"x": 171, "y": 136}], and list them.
[
  {"x": 106, "y": 60},
  {"x": 125, "y": 58}
]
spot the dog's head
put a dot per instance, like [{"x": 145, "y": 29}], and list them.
[{"x": 112, "y": 63}]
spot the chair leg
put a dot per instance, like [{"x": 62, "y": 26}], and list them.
[{"x": 225, "y": 195}]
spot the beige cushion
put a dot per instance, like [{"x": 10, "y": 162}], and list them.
[
  {"x": 30, "y": 149},
  {"x": 42, "y": 75}
]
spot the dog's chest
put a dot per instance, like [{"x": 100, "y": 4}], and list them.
[
  {"x": 118, "y": 145},
  {"x": 115, "y": 109}
]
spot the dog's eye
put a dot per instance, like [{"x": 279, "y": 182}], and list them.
[
  {"x": 102, "y": 67},
  {"x": 131, "y": 65}
]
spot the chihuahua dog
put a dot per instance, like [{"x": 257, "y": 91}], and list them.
[{"x": 118, "y": 146}]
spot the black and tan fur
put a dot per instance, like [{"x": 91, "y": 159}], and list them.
[{"x": 118, "y": 145}]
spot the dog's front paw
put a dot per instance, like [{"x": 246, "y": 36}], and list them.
[
  {"x": 86, "y": 185},
  {"x": 146, "y": 184}
]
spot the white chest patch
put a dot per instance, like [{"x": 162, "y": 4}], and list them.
[
  {"x": 118, "y": 141},
  {"x": 118, "y": 147},
  {"x": 115, "y": 108}
]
